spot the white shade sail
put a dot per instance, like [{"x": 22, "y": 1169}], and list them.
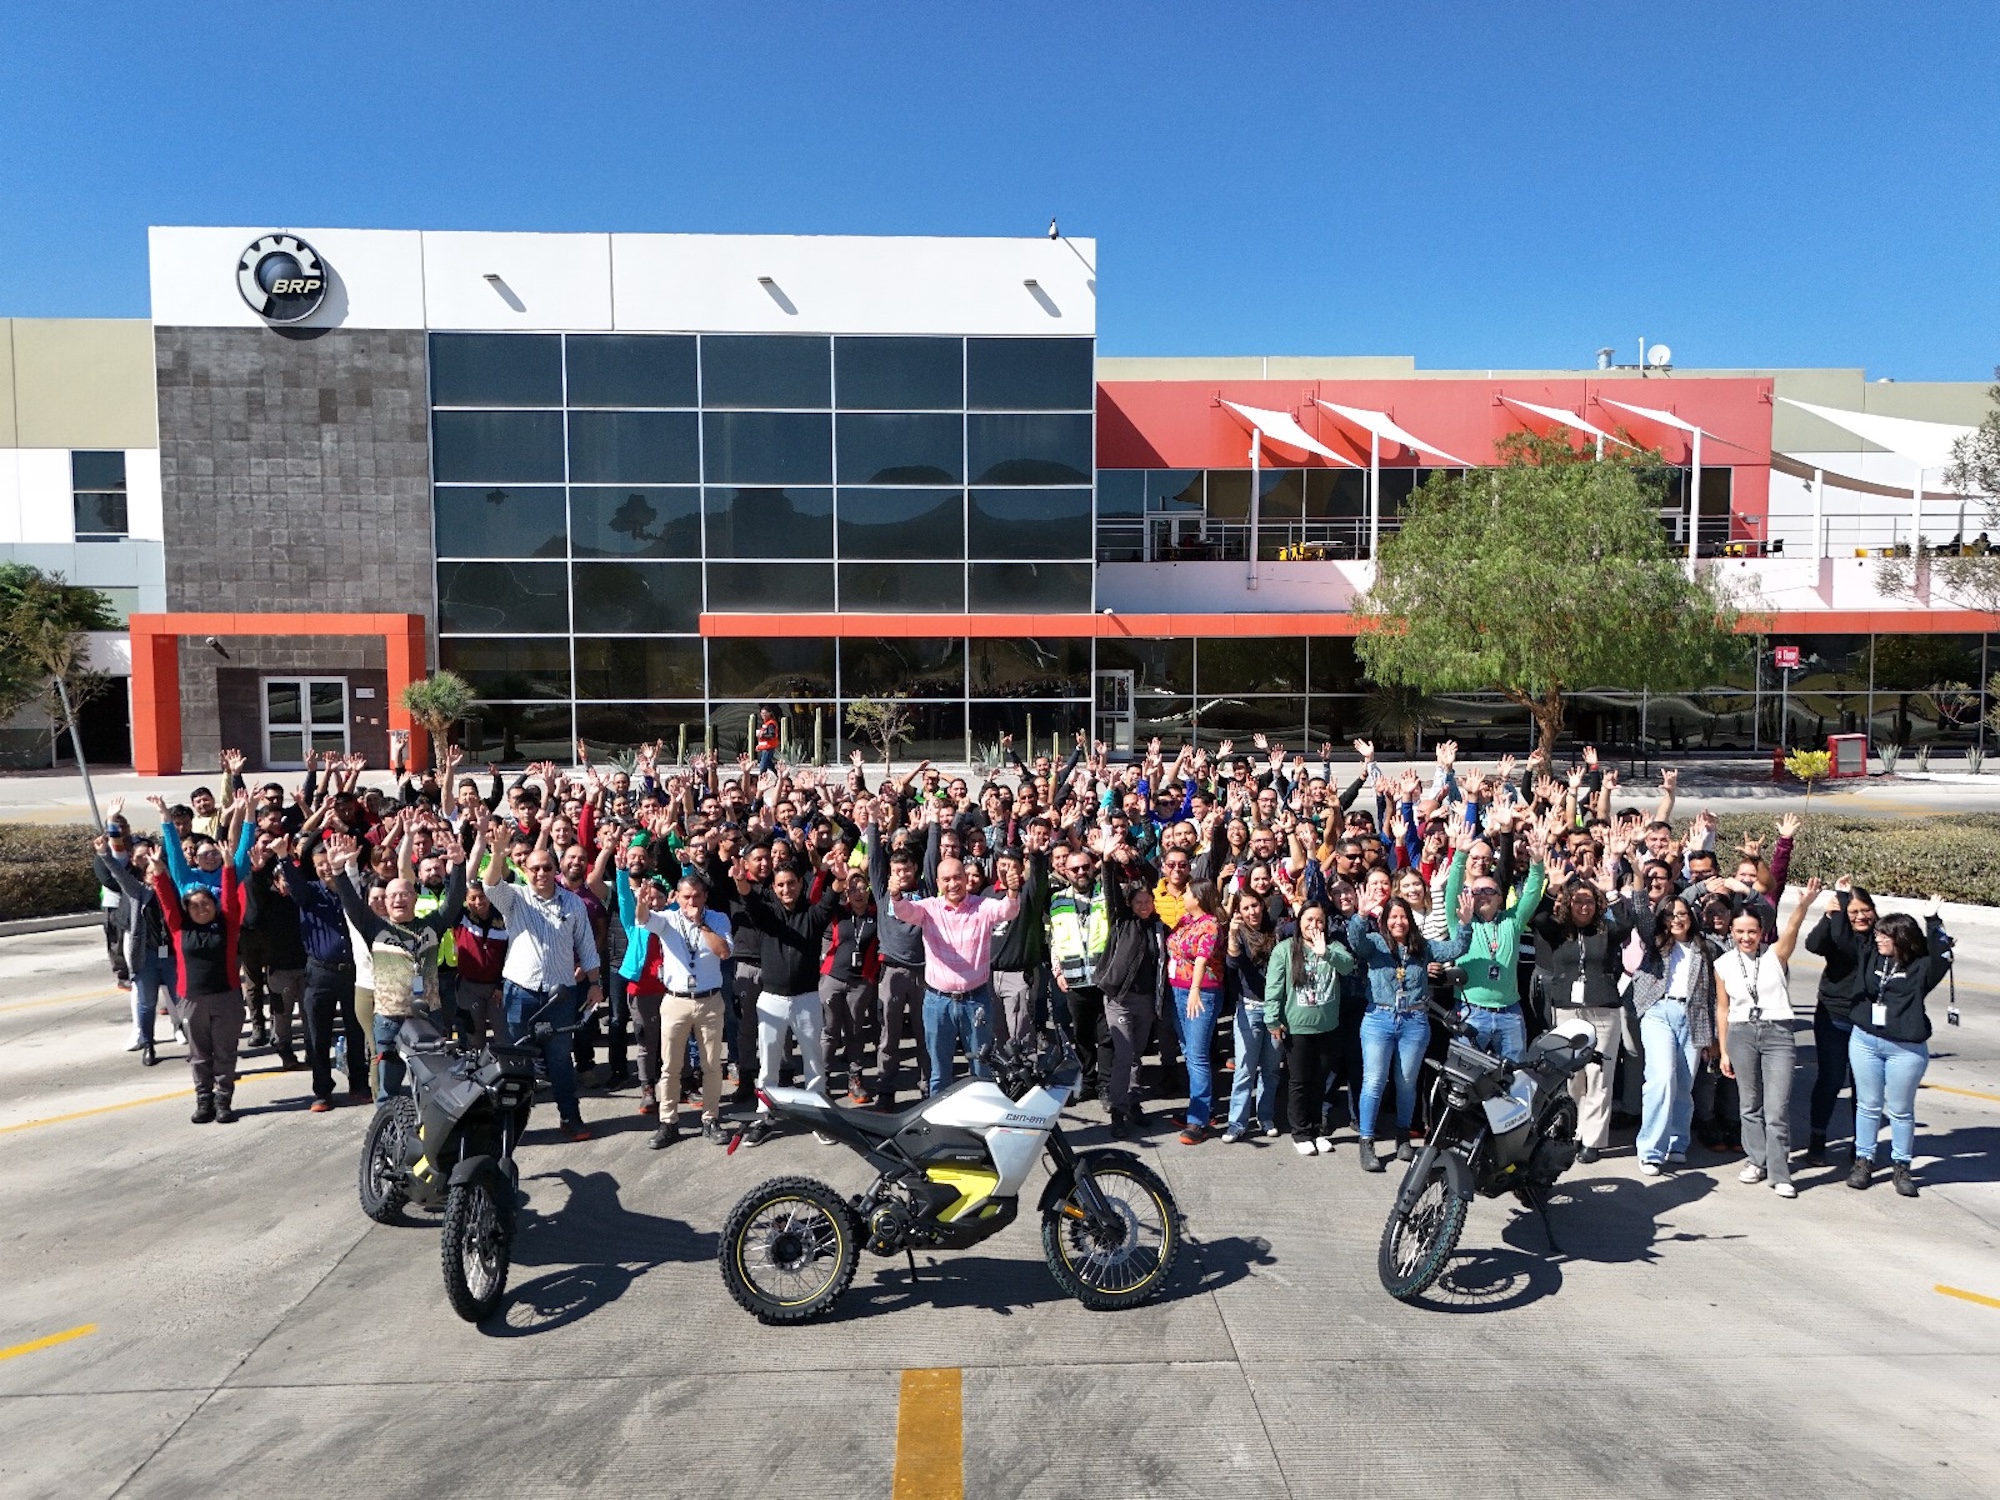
[
  {"x": 1383, "y": 426},
  {"x": 1567, "y": 418},
  {"x": 1653, "y": 413},
  {"x": 1279, "y": 427},
  {"x": 1928, "y": 445}
]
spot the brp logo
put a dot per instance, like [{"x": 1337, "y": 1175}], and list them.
[{"x": 282, "y": 278}]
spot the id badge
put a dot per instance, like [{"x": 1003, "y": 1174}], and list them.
[
  {"x": 165, "y": 951},
  {"x": 1878, "y": 1014},
  {"x": 1493, "y": 973},
  {"x": 416, "y": 985}
]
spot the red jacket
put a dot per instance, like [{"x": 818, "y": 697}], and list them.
[
  {"x": 866, "y": 950},
  {"x": 214, "y": 953}
]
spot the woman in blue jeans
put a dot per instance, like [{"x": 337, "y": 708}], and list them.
[
  {"x": 1888, "y": 1049},
  {"x": 1253, "y": 1098},
  {"x": 1195, "y": 964},
  {"x": 1398, "y": 962},
  {"x": 1673, "y": 995}
]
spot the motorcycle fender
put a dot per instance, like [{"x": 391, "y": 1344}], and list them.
[
  {"x": 473, "y": 1166},
  {"x": 1061, "y": 1182},
  {"x": 1458, "y": 1177}
]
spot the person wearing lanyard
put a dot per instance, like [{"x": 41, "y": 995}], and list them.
[
  {"x": 1490, "y": 1002},
  {"x": 1302, "y": 1010},
  {"x": 1755, "y": 1027},
  {"x": 1673, "y": 995},
  {"x": 693, "y": 941},
  {"x": 1889, "y": 1049},
  {"x": 1399, "y": 962}
]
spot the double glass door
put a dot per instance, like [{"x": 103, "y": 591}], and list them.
[
  {"x": 302, "y": 716},
  {"x": 1115, "y": 711}
]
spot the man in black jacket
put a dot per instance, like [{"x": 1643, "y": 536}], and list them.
[
  {"x": 273, "y": 917},
  {"x": 1021, "y": 947},
  {"x": 788, "y": 1005}
]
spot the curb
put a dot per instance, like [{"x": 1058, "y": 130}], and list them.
[{"x": 21, "y": 926}]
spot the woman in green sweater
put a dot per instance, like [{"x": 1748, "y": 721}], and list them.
[{"x": 1302, "y": 1009}]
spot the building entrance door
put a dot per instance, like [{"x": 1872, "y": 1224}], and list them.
[
  {"x": 1114, "y": 712},
  {"x": 303, "y": 716}
]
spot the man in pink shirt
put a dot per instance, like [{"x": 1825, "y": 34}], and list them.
[{"x": 958, "y": 968}]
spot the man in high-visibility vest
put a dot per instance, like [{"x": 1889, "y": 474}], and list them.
[
  {"x": 1079, "y": 927},
  {"x": 767, "y": 741}
]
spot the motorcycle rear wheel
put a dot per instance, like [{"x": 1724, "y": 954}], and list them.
[
  {"x": 789, "y": 1250},
  {"x": 382, "y": 1189},
  {"x": 1418, "y": 1246},
  {"x": 1103, "y": 1274},
  {"x": 476, "y": 1248}
]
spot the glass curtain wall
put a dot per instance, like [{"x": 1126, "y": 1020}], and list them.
[{"x": 595, "y": 494}]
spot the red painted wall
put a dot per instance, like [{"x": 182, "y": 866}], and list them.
[{"x": 1173, "y": 424}]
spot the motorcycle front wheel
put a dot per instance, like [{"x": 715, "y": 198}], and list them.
[
  {"x": 789, "y": 1250},
  {"x": 476, "y": 1247},
  {"x": 1418, "y": 1245},
  {"x": 1119, "y": 1265},
  {"x": 383, "y": 1192}
]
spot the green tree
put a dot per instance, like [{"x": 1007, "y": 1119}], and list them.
[
  {"x": 44, "y": 650},
  {"x": 1546, "y": 575},
  {"x": 438, "y": 702},
  {"x": 883, "y": 722}
]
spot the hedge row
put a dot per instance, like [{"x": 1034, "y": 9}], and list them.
[
  {"x": 45, "y": 870},
  {"x": 1956, "y": 856}
]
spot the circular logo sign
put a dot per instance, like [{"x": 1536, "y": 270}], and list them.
[{"x": 282, "y": 278}]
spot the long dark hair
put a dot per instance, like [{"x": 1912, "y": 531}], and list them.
[
  {"x": 1663, "y": 923},
  {"x": 1414, "y": 945},
  {"x": 1908, "y": 937}
]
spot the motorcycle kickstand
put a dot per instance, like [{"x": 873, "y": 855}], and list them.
[
  {"x": 912, "y": 1256},
  {"x": 1539, "y": 1202}
]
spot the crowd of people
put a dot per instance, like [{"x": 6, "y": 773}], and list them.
[{"x": 1241, "y": 944}]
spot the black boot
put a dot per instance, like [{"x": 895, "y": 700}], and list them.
[
  {"x": 225, "y": 1113},
  {"x": 1816, "y": 1150},
  {"x": 204, "y": 1110},
  {"x": 148, "y": 1057},
  {"x": 1370, "y": 1162},
  {"x": 1900, "y": 1176},
  {"x": 1863, "y": 1172},
  {"x": 668, "y": 1132}
]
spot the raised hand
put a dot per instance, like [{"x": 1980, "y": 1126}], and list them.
[
  {"x": 1223, "y": 750},
  {"x": 1447, "y": 754},
  {"x": 1365, "y": 749},
  {"x": 1260, "y": 742},
  {"x": 1788, "y": 826},
  {"x": 1813, "y": 889},
  {"x": 1507, "y": 766},
  {"x": 1590, "y": 757},
  {"x": 1670, "y": 781}
]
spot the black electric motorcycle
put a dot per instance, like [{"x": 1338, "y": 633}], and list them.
[
  {"x": 450, "y": 1140},
  {"x": 951, "y": 1171},
  {"x": 1499, "y": 1127}
]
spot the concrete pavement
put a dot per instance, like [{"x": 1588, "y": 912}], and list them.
[{"x": 252, "y": 1334}]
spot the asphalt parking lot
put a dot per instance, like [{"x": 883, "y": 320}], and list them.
[{"x": 206, "y": 1312}]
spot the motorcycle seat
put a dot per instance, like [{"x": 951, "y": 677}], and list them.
[
  {"x": 1569, "y": 1054},
  {"x": 427, "y": 1067},
  {"x": 803, "y": 1105}
]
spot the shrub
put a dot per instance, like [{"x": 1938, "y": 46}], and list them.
[
  {"x": 45, "y": 870},
  {"x": 1957, "y": 856}
]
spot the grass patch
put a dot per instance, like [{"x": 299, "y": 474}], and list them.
[
  {"x": 1956, "y": 855},
  {"x": 45, "y": 870}
]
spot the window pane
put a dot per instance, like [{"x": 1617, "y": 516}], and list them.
[
  {"x": 1028, "y": 450},
  {"x": 758, "y": 447},
  {"x": 481, "y": 447},
  {"x": 628, "y": 522},
  {"x": 743, "y": 668},
  {"x": 637, "y": 668},
  {"x": 327, "y": 702},
  {"x": 283, "y": 703},
  {"x": 1174, "y": 489},
  {"x": 1026, "y": 586},
  {"x": 902, "y": 586},
  {"x": 898, "y": 374},
  {"x": 503, "y": 598},
  {"x": 902, "y": 523},
  {"x": 647, "y": 597},
  {"x": 1121, "y": 492},
  {"x": 1029, "y": 523},
  {"x": 938, "y": 733},
  {"x": 749, "y": 587},
  {"x": 924, "y": 667},
  {"x": 1016, "y": 667},
  {"x": 633, "y": 447},
  {"x": 1339, "y": 493},
  {"x": 1157, "y": 666},
  {"x": 514, "y": 733},
  {"x": 96, "y": 471},
  {"x": 1283, "y": 719},
  {"x": 288, "y": 749},
  {"x": 507, "y": 668},
  {"x": 496, "y": 369},
  {"x": 500, "y": 521},
  {"x": 100, "y": 514},
  {"x": 631, "y": 369},
  {"x": 1229, "y": 494},
  {"x": 622, "y": 726},
  {"x": 1283, "y": 494},
  {"x": 1250, "y": 664},
  {"x": 902, "y": 449},
  {"x": 1906, "y": 663},
  {"x": 770, "y": 522},
  {"x": 765, "y": 370},
  {"x": 1038, "y": 727},
  {"x": 1335, "y": 668},
  {"x": 1030, "y": 374}
]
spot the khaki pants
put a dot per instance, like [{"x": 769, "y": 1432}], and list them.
[
  {"x": 1014, "y": 995},
  {"x": 1591, "y": 1088},
  {"x": 678, "y": 1017},
  {"x": 214, "y": 1027}
]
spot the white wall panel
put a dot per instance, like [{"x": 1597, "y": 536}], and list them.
[
  {"x": 10, "y": 496},
  {"x": 853, "y": 284},
  {"x": 546, "y": 281},
  {"x": 143, "y": 503},
  {"x": 378, "y": 277},
  {"x": 47, "y": 503}
]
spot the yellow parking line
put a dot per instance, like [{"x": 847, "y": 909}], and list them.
[
  {"x": 50, "y": 1341},
  {"x": 930, "y": 1436},
  {"x": 62, "y": 1000},
  {"x": 1949, "y": 1291},
  {"x": 1945, "y": 1088},
  {"x": 107, "y": 1109}
]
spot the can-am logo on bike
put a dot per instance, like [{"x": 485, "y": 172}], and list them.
[
  {"x": 1011, "y": 1118},
  {"x": 282, "y": 278}
]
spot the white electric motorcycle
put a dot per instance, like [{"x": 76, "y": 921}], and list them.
[{"x": 952, "y": 1170}]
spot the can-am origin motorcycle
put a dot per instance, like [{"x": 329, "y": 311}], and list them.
[
  {"x": 450, "y": 1140},
  {"x": 951, "y": 1171},
  {"x": 1498, "y": 1127}
]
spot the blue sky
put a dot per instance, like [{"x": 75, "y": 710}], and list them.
[{"x": 1473, "y": 184}]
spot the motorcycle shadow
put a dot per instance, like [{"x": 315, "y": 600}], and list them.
[
  {"x": 1491, "y": 1281},
  {"x": 599, "y": 1248},
  {"x": 1611, "y": 1220}
]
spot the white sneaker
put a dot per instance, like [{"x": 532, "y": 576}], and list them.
[
  {"x": 1649, "y": 1169},
  {"x": 1270, "y": 1132},
  {"x": 1306, "y": 1148},
  {"x": 823, "y": 1138},
  {"x": 1751, "y": 1173},
  {"x": 1324, "y": 1145},
  {"x": 1784, "y": 1190}
]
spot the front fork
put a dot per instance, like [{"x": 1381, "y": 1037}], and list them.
[
  {"x": 1420, "y": 1169},
  {"x": 1062, "y": 1159}
]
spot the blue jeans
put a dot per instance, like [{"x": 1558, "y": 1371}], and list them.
[
  {"x": 1387, "y": 1036},
  {"x": 390, "y": 1069},
  {"x": 1256, "y": 1069},
  {"x": 1503, "y": 1030},
  {"x": 557, "y": 1055},
  {"x": 1666, "y": 1120},
  {"x": 949, "y": 1024},
  {"x": 152, "y": 981},
  {"x": 1197, "y": 1034},
  {"x": 1886, "y": 1075}
]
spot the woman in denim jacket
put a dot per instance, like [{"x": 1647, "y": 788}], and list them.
[{"x": 1398, "y": 960}]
